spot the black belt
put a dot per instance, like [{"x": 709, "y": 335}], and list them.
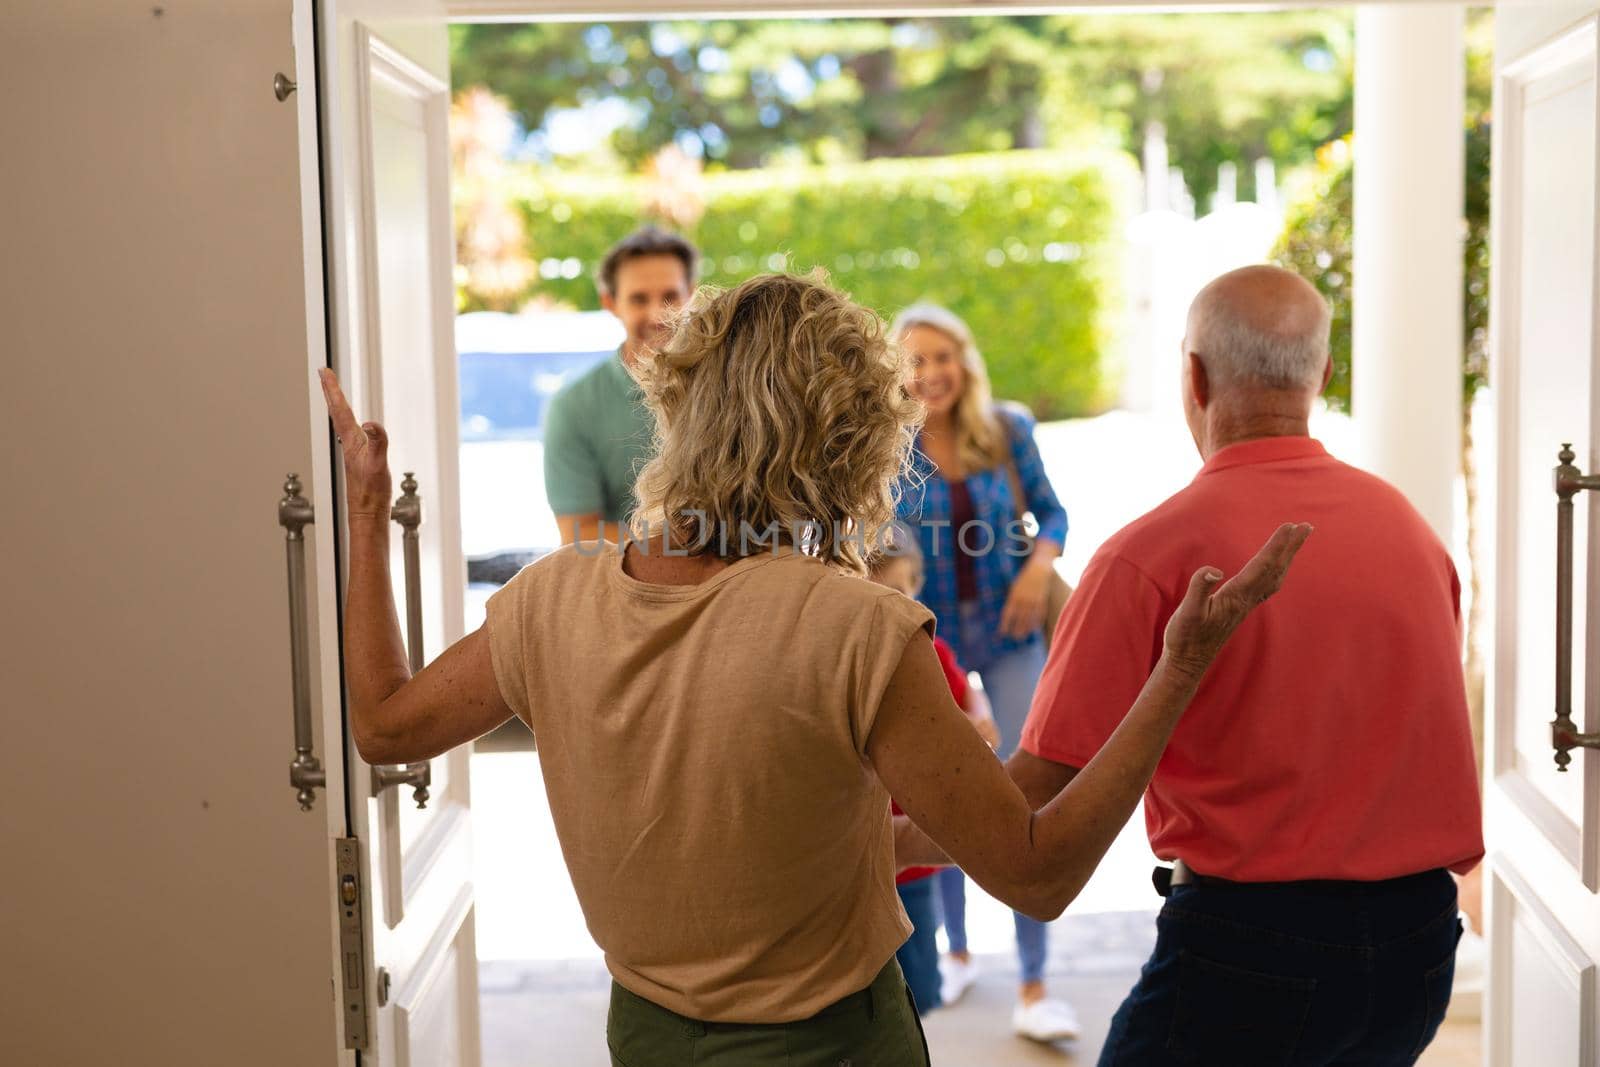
[{"x": 1166, "y": 879}]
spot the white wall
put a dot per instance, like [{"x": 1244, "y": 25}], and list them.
[
  {"x": 164, "y": 901},
  {"x": 1170, "y": 259}
]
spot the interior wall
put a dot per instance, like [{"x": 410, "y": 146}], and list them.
[{"x": 164, "y": 900}]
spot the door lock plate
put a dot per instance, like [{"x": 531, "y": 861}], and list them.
[{"x": 352, "y": 969}]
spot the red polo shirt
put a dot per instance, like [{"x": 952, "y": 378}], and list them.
[{"x": 1330, "y": 738}]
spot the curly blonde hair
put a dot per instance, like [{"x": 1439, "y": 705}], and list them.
[
  {"x": 980, "y": 437},
  {"x": 779, "y": 406}
]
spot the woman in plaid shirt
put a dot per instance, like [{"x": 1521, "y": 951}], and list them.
[{"x": 986, "y": 584}]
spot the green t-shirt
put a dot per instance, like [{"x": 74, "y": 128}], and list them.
[{"x": 596, "y": 437}]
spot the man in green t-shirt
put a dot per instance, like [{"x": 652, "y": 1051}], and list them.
[{"x": 598, "y": 432}]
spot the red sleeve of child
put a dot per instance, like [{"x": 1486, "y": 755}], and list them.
[
  {"x": 957, "y": 678},
  {"x": 952, "y": 671}
]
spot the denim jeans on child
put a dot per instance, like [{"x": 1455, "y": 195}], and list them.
[
  {"x": 919, "y": 956},
  {"x": 1008, "y": 681}
]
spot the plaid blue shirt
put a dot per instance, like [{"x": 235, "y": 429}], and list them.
[{"x": 925, "y": 506}]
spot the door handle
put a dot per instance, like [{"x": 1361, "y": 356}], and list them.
[
  {"x": 407, "y": 511},
  {"x": 1564, "y": 735},
  {"x": 294, "y": 515}
]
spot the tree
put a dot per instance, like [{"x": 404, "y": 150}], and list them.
[
  {"x": 1318, "y": 244},
  {"x": 742, "y": 94},
  {"x": 493, "y": 267},
  {"x": 740, "y": 91},
  {"x": 1225, "y": 87}
]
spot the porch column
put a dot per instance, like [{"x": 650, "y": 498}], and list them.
[{"x": 1407, "y": 273}]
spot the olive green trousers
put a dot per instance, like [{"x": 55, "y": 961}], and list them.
[{"x": 876, "y": 1027}]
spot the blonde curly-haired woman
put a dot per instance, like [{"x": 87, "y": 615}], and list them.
[{"x": 721, "y": 722}]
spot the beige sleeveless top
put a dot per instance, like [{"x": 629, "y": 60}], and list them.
[{"x": 703, "y": 751}]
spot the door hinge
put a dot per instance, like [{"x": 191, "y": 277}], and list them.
[{"x": 352, "y": 935}]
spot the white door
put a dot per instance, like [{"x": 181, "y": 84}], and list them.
[
  {"x": 165, "y": 900},
  {"x": 1543, "y": 824},
  {"x": 385, "y": 106}
]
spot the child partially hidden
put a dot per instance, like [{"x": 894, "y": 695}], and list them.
[{"x": 901, "y": 569}]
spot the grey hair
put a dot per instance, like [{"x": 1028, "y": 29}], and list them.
[{"x": 1280, "y": 355}]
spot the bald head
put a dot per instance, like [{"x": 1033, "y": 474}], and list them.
[{"x": 1260, "y": 327}]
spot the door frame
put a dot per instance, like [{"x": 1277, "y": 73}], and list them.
[
  {"x": 1541, "y": 871},
  {"x": 1500, "y": 758},
  {"x": 638, "y": 10},
  {"x": 377, "y": 58}
]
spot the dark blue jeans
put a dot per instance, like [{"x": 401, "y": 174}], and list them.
[
  {"x": 919, "y": 956},
  {"x": 1337, "y": 975}
]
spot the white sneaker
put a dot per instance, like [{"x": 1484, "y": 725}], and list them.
[
  {"x": 1045, "y": 1020},
  {"x": 956, "y": 976}
]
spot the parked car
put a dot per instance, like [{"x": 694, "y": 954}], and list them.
[{"x": 510, "y": 366}]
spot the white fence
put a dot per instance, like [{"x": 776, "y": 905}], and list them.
[{"x": 1171, "y": 255}]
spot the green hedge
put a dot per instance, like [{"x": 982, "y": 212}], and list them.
[{"x": 1024, "y": 245}]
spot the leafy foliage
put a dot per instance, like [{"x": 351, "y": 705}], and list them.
[
  {"x": 1224, "y": 87},
  {"x": 491, "y": 248},
  {"x": 1024, "y": 245},
  {"x": 1318, "y": 244},
  {"x": 747, "y": 94},
  {"x": 1317, "y": 237},
  {"x": 1480, "y": 103}
]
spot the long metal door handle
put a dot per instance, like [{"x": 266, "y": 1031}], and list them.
[
  {"x": 407, "y": 511},
  {"x": 294, "y": 515},
  {"x": 1564, "y": 735}
]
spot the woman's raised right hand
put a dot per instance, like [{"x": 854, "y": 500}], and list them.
[
  {"x": 1210, "y": 613},
  {"x": 366, "y": 454}
]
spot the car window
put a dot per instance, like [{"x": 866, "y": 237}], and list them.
[{"x": 504, "y": 395}]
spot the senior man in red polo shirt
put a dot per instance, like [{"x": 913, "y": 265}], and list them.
[{"x": 1321, "y": 786}]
